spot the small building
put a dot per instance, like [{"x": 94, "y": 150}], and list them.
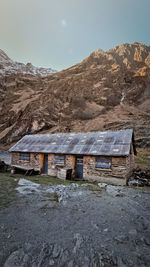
[{"x": 96, "y": 156}]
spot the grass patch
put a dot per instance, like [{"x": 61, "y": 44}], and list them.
[
  {"x": 48, "y": 180},
  {"x": 143, "y": 158},
  {"x": 7, "y": 189},
  {"x": 8, "y": 183}
]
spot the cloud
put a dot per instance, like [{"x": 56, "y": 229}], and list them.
[{"x": 63, "y": 23}]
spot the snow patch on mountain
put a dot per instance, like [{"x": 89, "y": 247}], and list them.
[{"x": 8, "y": 67}]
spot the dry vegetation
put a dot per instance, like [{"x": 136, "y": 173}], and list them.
[
  {"x": 143, "y": 158},
  {"x": 107, "y": 90}
]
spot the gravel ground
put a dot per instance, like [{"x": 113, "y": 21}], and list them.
[{"x": 75, "y": 226}]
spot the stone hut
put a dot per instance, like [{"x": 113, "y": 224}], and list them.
[{"x": 95, "y": 156}]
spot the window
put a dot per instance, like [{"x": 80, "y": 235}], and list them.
[
  {"x": 102, "y": 163},
  {"x": 24, "y": 156},
  {"x": 59, "y": 160}
]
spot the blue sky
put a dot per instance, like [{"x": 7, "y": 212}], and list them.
[{"x": 60, "y": 33}]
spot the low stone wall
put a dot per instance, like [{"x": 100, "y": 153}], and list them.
[{"x": 61, "y": 174}]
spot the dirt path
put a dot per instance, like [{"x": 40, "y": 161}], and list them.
[{"x": 109, "y": 227}]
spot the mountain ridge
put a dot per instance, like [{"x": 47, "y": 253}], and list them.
[
  {"x": 107, "y": 90},
  {"x": 8, "y": 67}
]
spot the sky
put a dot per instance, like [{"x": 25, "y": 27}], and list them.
[{"x": 61, "y": 33}]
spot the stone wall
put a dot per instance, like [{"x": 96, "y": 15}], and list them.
[
  {"x": 52, "y": 170},
  {"x": 55, "y": 170},
  {"x": 37, "y": 160},
  {"x": 121, "y": 166},
  {"x": 33, "y": 163},
  {"x": 70, "y": 163},
  {"x": 130, "y": 164},
  {"x": 119, "y": 169}
]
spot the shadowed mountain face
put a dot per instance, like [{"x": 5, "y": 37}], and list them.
[{"x": 107, "y": 90}]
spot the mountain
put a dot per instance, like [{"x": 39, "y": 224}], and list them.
[
  {"x": 9, "y": 67},
  {"x": 107, "y": 90}
]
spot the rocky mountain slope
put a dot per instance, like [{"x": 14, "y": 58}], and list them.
[
  {"x": 107, "y": 90},
  {"x": 8, "y": 67}
]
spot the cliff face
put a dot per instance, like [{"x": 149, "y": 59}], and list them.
[{"x": 107, "y": 90}]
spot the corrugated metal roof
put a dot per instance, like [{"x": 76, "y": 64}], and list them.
[{"x": 110, "y": 143}]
